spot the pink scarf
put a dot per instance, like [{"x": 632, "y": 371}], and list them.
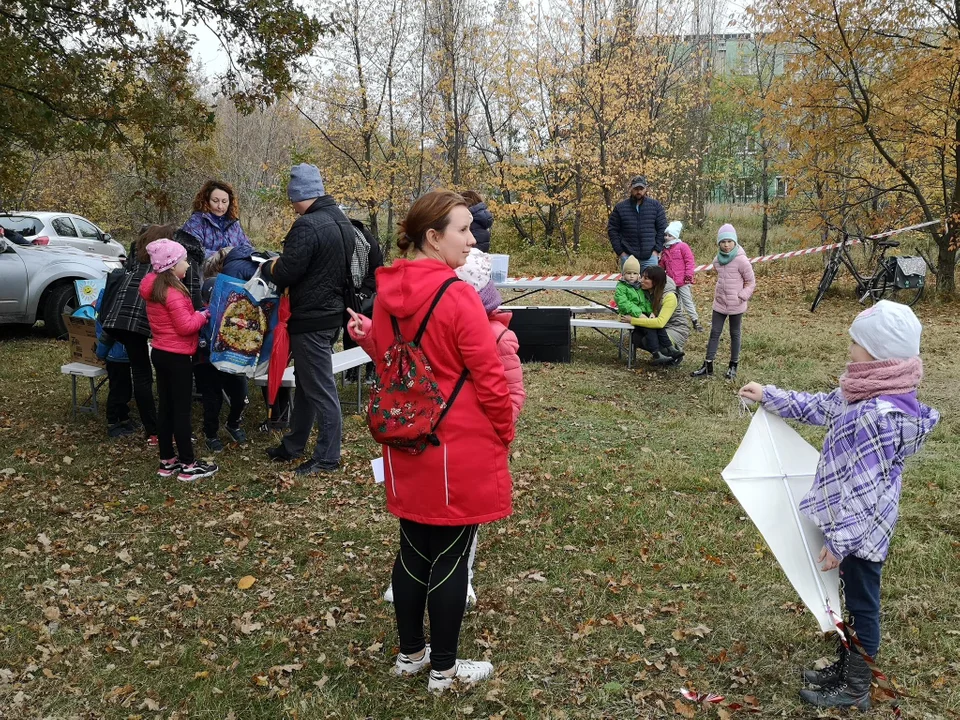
[{"x": 866, "y": 380}]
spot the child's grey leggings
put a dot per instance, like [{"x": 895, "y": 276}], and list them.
[{"x": 716, "y": 330}]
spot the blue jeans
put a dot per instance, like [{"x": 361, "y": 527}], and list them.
[
  {"x": 644, "y": 264},
  {"x": 861, "y": 594},
  {"x": 316, "y": 399}
]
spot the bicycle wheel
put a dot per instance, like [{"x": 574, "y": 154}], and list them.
[
  {"x": 885, "y": 288},
  {"x": 829, "y": 274}
]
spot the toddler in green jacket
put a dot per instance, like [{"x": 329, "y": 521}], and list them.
[{"x": 630, "y": 299}]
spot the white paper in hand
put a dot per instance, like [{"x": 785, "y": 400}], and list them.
[
  {"x": 770, "y": 473},
  {"x": 377, "y": 465}
]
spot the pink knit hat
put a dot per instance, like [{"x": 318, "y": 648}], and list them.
[{"x": 164, "y": 254}]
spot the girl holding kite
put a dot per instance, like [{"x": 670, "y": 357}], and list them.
[{"x": 874, "y": 422}]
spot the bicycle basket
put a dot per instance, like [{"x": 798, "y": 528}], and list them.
[{"x": 911, "y": 272}]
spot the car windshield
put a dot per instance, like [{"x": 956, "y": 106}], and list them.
[{"x": 27, "y": 226}]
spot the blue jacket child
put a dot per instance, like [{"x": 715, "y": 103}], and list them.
[{"x": 119, "y": 375}]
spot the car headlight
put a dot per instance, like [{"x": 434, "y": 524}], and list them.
[{"x": 113, "y": 264}]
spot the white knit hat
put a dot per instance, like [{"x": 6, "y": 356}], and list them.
[
  {"x": 887, "y": 330},
  {"x": 674, "y": 229},
  {"x": 476, "y": 270}
]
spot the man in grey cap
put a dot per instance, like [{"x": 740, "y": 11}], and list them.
[
  {"x": 636, "y": 225},
  {"x": 314, "y": 266}
]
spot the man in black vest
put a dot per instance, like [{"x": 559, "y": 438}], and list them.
[
  {"x": 636, "y": 225},
  {"x": 314, "y": 266}
]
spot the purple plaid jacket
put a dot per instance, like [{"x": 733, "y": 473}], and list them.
[{"x": 856, "y": 493}]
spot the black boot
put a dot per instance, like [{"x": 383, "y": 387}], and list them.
[
  {"x": 852, "y": 689},
  {"x": 672, "y": 351},
  {"x": 831, "y": 673},
  {"x": 732, "y": 371},
  {"x": 705, "y": 369}
]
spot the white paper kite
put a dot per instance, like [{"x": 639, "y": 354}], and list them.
[{"x": 770, "y": 473}]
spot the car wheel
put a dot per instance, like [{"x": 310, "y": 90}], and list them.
[{"x": 62, "y": 299}]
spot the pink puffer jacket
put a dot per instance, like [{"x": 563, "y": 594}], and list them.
[
  {"x": 507, "y": 348},
  {"x": 735, "y": 284},
  {"x": 677, "y": 260}
]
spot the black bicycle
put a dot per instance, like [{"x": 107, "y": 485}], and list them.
[{"x": 897, "y": 277}]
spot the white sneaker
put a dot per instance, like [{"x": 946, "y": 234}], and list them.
[
  {"x": 388, "y": 595},
  {"x": 407, "y": 666},
  {"x": 471, "y": 597},
  {"x": 467, "y": 672}
]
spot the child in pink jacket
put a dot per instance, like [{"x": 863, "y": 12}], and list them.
[
  {"x": 175, "y": 327},
  {"x": 735, "y": 286},
  {"x": 476, "y": 272},
  {"x": 677, "y": 259}
]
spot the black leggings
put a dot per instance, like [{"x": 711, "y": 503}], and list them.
[
  {"x": 430, "y": 573},
  {"x": 716, "y": 330},
  {"x": 174, "y": 398},
  {"x": 139, "y": 354}
]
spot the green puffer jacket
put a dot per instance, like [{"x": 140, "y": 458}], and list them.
[{"x": 631, "y": 300}]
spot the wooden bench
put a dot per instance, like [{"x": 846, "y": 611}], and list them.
[
  {"x": 601, "y": 325},
  {"x": 91, "y": 372},
  {"x": 342, "y": 361}
]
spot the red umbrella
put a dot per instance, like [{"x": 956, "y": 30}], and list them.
[{"x": 281, "y": 350}]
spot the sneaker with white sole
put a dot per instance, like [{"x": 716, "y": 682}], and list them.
[
  {"x": 471, "y": 597},
  {"x": 168, "y": 468},
  {"x": 195, "y": 471},
  {"x": 388, "y": 595},
  {"x": 406, "y": 665},
  {"x": 467, "y": 672}
]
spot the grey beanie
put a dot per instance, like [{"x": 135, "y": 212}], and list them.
[{"x": 305, "y": 183}]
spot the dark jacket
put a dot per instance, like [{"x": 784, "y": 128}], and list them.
[
  {"x": 374, "y": 260},
  {"x": 637, "y": 229},
  {"x": 195, "y": 256},
  {"x": 239, "y": 263},
  {"x": 128, "y": 311},
  {"x": 314, "y": 265},
  {"x": 480, "y": 227}
]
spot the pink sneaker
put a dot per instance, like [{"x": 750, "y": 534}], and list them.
[{"x": 152, "y": 441}]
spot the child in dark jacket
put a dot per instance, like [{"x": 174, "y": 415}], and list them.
[
  {"x": 119, "y": 378},
  {"x": 211, "y": 382}
]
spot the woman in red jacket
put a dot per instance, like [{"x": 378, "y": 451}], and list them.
[
  {"x": 175, "y": 327},
  {"x": 443, "y": 494}
]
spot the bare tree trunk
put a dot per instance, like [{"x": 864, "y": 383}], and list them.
[{"x": 765, "y": 197}]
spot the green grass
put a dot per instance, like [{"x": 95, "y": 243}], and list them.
[{"x": 119, "y": 598}]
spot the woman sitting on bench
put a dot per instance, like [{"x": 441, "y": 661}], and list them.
[{"x": 662, "y": 292}]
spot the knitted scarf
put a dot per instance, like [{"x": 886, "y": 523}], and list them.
[
  {"x": 723, "y": 258},
  {"x": 867, "y": 380}
]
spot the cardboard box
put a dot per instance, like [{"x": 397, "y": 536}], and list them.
[{"x": 83, "y": 340}]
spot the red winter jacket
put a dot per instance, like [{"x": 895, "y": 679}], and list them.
[
  {"x": 508, "y": 347},
  {"x": 175, "y": 325},
  {"x": 677, "y": 260},
  {"x": 466, "y": 479}
]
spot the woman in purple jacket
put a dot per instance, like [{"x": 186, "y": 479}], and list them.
[
  {"x": 215, "y": 220},
  {"x": 874, "y": 422}
]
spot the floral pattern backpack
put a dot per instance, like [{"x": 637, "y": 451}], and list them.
[{"x": 406, "y": 405}]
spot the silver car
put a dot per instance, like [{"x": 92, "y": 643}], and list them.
[
  {"x": 52, "y": 228},
  {"x": 36, "y": 282}
]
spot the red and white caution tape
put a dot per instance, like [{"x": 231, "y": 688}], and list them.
[
  {"x": 601, "y": 277},
  {"x": 903, "y": 230}
]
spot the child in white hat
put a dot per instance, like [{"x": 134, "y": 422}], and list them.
[
  {"x": 874, "y": 422},
  {"x": 678, "y": 260}
]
